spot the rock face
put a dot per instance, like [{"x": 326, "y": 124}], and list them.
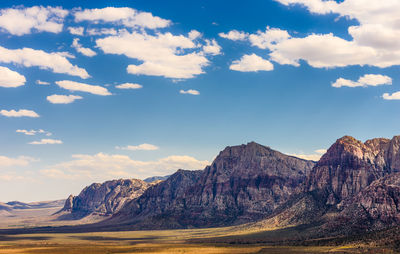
[
  {"x": 349, "y": 166},
  {"x": 106, "y": 198},
  {"x": 377, "y": 206},
  {"x": 244, "y": 183}
]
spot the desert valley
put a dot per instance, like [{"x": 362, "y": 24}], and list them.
[{"x": 250, "y": 199}]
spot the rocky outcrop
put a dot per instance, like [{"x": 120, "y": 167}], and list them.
[
  {"x": 349, "y": 166},
  {"x": 377, "y": 206},
  {"x": 244, "y": 183},
  {"x": 104, "y": 199}
]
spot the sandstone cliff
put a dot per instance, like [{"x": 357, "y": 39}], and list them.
[
  {"x": 350, "y": 165},
  {"x": 244, "y": 183},
  {"x": 104, "y": 199}
]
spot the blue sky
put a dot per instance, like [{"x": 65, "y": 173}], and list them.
[{"x": 290, "y": 74}]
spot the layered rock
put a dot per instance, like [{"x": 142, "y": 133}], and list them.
[
  {"x": 350, "y": 165},
  {"x": 106, "y": 198},
  {"x": 244, "y": 183}
]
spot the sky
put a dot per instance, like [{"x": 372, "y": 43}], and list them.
[{"x": 98, "y": 90}]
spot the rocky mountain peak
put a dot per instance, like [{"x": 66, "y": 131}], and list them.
[{"x": 350, "y": 165}]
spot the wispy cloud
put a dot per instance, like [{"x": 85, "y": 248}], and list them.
[
  {"x": 190, "y": 91},
  {"x": 129, "y": 86},
  {"x": 145, "y": 147},
  {"x": 33, "y": 132},
  {"x": 46, "y": 141},
  {"x": 82, "y": 87},
  {"x": 84, "y": 51}
]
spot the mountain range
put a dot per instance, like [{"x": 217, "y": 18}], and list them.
[{"x": 353, "y": 188}]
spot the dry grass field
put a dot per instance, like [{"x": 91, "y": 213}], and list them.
[{"x": 162, "y": 241}]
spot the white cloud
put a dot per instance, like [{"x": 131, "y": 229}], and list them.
[
  {"x": 39, "y": 82},
  {"x": 101, "y": 31},
  {"x": 129, "y": 86},
  {"x": 374, "y": 41},
  {"x": 81, "y": 87},
  {"x": 101, "y": 167},
  {"x": 76, "y": 30},
  {"x": 375, "y": 80},
  {"x": 194, "y": 34},
  {"x": 56, "y": 61},
  {"x": 212, "y": 47},
  {"x": 393, "y": 96},
  {"x": 270, "y": 37},
  {"x": 251, "y": 63},
  {"x": 313, "y": 157},
  {"x": 13, "y": 162},
  {"x": 46, "y": 141},
  {"x": 33, "y": 132},
  {"x": 234, "y": 35},
  {"x": 9, "y": 78},
  {"x": 22, "y": 21},
  {"x": 144, "y": 147},
  {"x": 364, "y": 81},
  {"x": 162, "y": 54},
  {"x": 19, "y": 113},
  {"x": 190, "y": 91},
  {"x": 125, "y": 16},
  {"x": 84, "y": 51},
  {"x": 62, "y": 99}
]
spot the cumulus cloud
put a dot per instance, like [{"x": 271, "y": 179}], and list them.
[
  {"x": 393, "y": 96},
  {"x": 62, "y": 99},
  {"x": 34, "y": 132},
  {"x": 101, "y": 167},
  {"x": 20, "y": 21},
  {"x": 144, "y": 147},
  {"x": 194, "y": 34},
  {"x": 267, "y": 39},
  {"x": 18, "y": 161},
  {"x": 81, "y": 87},
  {"x": 373, "y": 40},
  {"x": 56, "y": 61},
  {"x": 364, "y": 81},
  {"x": 251, "y": 63},
  {"x": 212, "y": 47},
  {"x": 234, "y": 35},
  {"x": 9, "y": 78},
  {"x": 76, "y": 30},
  {"x": 39, "y": 82},
  {"x": 18, "y": 113},
  {"x": 46, "y": 141},
  {"x": 129, "y": 86},
  {"x": 162, "y": 54},
  {"x": 84, "y": 51},
  {"x": 190, "y": 91},
  {"x": 124, "y": 16}
]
